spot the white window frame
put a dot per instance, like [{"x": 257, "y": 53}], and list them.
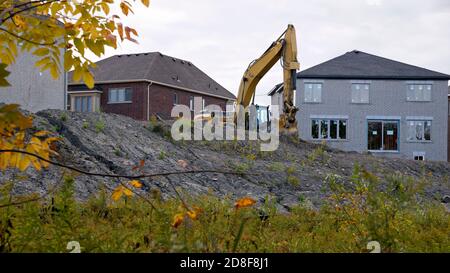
[
  {"x": 418, "y": 155},
  {"x": 191, "y": 103},
  {"x": 310, "y": 86},
  {"x": 419, "y": 87},
  {"x": 408, "y": 125},
  {"x": 175, "y": 98},
  {"x": 116, "y": 91},
  {"x": 328, "y": 120},
  {"x": 357, "y": 90}
]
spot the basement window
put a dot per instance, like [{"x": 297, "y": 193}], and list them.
[{"x": 419, "y": 156}]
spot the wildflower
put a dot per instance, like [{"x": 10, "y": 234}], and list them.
[
  {"x": 192, "y": 214},
  {"x": 177, "y": 220},
  {"x": 244, "y": 202},
  {"x": 135, "y": 183}
]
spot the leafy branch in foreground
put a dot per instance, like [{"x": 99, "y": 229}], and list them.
[{"x": 62, "y": 33}]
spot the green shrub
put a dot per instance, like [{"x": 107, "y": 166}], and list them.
[
  {"x": 99, "y": 126},
  {"x": 364, "y": 209}
]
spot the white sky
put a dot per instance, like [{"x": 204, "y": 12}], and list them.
[{"x": 223, "y": 37}]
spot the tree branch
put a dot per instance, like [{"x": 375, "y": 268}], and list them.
[
  {"x": 12, "y": 14},
  {"x": 118, "y": 175},
  {"x": 25, "y": 39}
]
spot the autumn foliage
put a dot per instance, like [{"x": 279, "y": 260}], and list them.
[
  {"x": 14, "y": 136},
  {"x": 62, "y": 32}
]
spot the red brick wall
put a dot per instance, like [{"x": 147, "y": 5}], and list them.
[{"x": 161, "y": 100}]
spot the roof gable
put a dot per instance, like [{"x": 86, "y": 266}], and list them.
[
  {"x": 357, "y": 64},
  {"x": 155, "y": 66}
]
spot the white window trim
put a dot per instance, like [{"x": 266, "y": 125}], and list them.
[
  {"x": 419, "y": 83},
  {"x": 329, "y": 129},
  {"x": 384, "y": 118},
  {"x": 321, "y": 91},
  {"x": 419, "y": 118},
  {"x": 119, "y": 102},
  {"x": 422, "y": 154},
  {"x": 351, "y": 93},
  {"x": 423, "y": 132},
  {"x": 328, "y": 116}
]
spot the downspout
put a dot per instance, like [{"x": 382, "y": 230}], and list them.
[{"x": 148, "y": 100}]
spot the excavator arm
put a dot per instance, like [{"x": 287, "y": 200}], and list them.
[{"x": 284, "y": 49}]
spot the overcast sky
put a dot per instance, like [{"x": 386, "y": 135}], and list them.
[{"x": 223, "y": 37}]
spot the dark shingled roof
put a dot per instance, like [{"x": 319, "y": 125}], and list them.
[
  {"x": 155, "y": 66},
  {"x": 360, "y": 65},
  {"x": 276, "y": 89}
]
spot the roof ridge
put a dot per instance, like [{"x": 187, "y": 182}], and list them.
[
  {"x": 369, "y": 65},
  {"x": 391, "y": 60}
]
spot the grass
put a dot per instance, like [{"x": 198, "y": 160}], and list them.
[
  {"x": 353, "y": 215},
  {"x": 100, "y": 126}
]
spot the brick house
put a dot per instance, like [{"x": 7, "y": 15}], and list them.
[{"x": 145, "y": 84}]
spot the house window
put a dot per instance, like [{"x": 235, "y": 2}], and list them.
[
  {"x": 360, "y": 93},
  {"x": 419, "y": 92},
  {"x": 83, "y": 103},
  {"x": 382, "y": 135},
  {"x": 175, "y": 98},
  {"x": 313, "y": 92},
  {"x": 419, "y": 130},
  {"x": 119, "y": 95},
  {"x": 191, "y": 103},
  {"x": 203, "y": 104},
  {"x": 419, "y": 156},
  {"x": 329, "y": 129}
]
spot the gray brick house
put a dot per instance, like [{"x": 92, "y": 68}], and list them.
[{"x": 365, "y": 103}]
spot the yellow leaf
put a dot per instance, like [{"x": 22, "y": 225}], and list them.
[
  {"x": 77, "y": 75},
  {"x": 68, "y": 61},
  {"x": 192, "y": 214},
  {"x": 43, "y": 61},
  {"x": 24, "y": 163},
  {"x": 88, "y": 79},
  {"x": 105, "y": 8},
  {"x": 36, "y": 164},
  {"x": 135, "y": 183},
  {"x": 124, "y": 8},
  {"x": 117, "y": 193},
  {"x": 146, "y": 2},
  {"x": 244, "y": 202},
  {"x": 41, "y": 51},
  {"x": 127, "y": 192},
  {"x": 41, "y": 133},
  {"x": 54, "y": 71}
]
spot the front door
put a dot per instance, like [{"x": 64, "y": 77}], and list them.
[{"x": 382, "y": 135}]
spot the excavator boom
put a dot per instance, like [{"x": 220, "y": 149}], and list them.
[{"x": 284, "y": 49}]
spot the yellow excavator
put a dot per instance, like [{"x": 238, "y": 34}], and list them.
[{"x": 285, "y": 50}]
